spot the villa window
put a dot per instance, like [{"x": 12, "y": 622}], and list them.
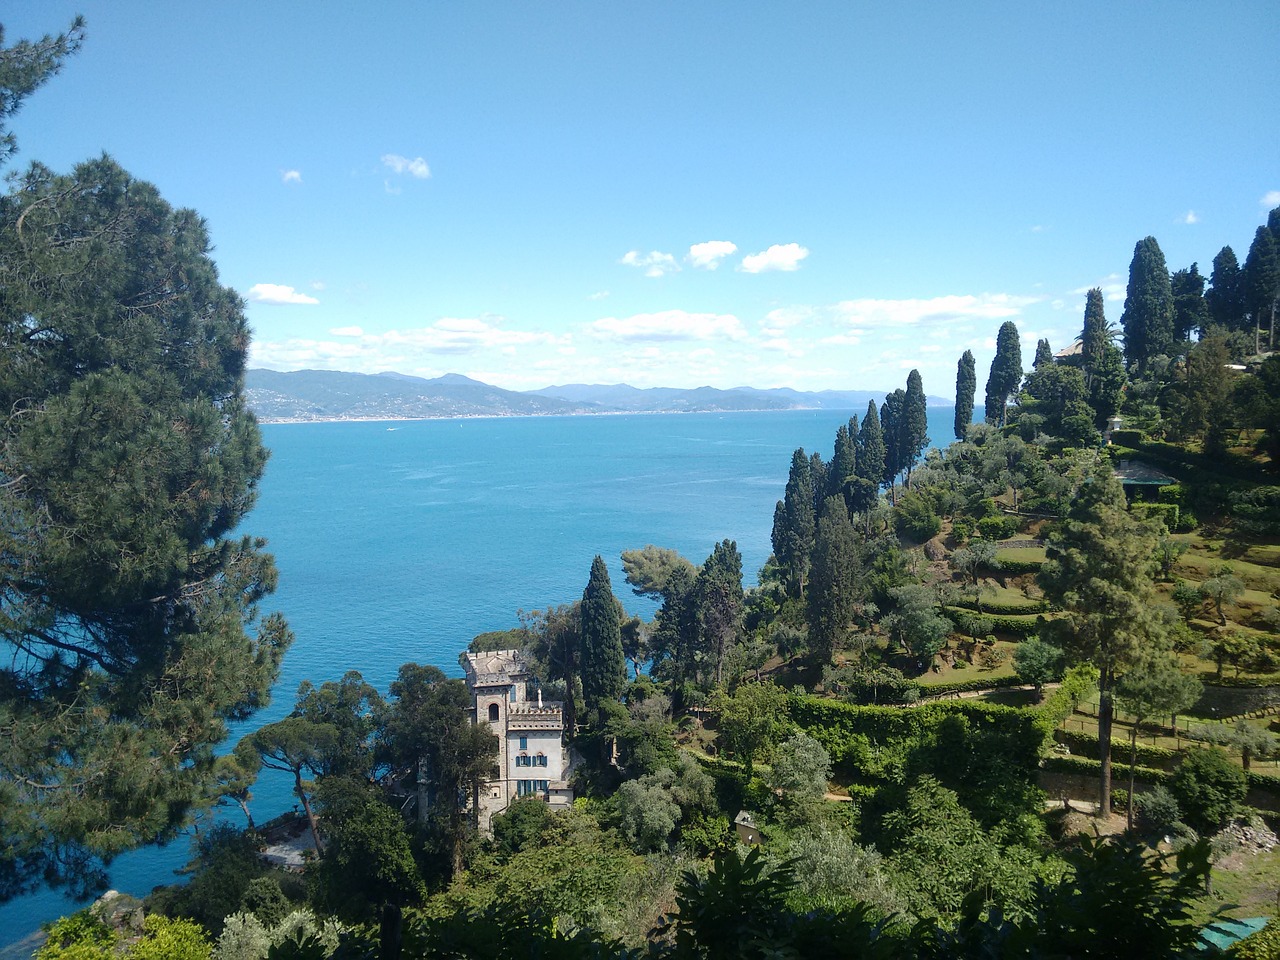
[
  {"x": 540, "y": 760},
  {"x": 513, "y": 693},
  {"x": 493, "y": 713},
  {"x": 524, "y": 743}
]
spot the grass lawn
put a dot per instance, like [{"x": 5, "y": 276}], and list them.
[
  {"x": 1021, "y": 554},
  {"x": 948, "y": 672},
  {"x": 1244, "y": 885}
]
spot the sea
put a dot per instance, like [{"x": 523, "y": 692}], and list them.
[{"x": 400, "y": 541}]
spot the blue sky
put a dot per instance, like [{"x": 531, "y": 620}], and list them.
[{"x": 675, "y": 194}]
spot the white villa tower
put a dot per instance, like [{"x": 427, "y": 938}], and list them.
[{"x": 531, "y": 754}]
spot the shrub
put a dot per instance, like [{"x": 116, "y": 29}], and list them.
[
  {"x": 962, "y": 529},
  {"x": 1166, "y": 512},
  {"x": 915, "y": 517},
  {"x": 1157, "y": 809},
  {"x": 998, "y": 527},
  {"x": 1208, "y": 788}
]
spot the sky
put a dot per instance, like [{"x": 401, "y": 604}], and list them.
[{"x": 820, "y": 196}]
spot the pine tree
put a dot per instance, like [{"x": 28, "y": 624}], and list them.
[
  {"x": 128, "y": 460},
  {"x": 604, "y": 667},
  {"x": 1190, "y": 311},
  {"x": 794, "y": 523},
  {"x": 915, "y": 422},
  {"x": 1005, "y": 375},
  {"x": 1099, "y": 572},
  {"x": 966, "y": 387},
  {"x": 1225, "y": 296},
  {"x": 1148, "y": 308}
]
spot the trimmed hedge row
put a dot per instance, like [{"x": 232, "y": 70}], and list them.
[
  {"x": 1092, "y": 768},
  {"x": 1260, "y": 680},
  {"x": 930, "y": 691},
  {"x": 1086, "y": 745},
  {"x": 1027, "y": 608},
  {"x": 1015, "y": 567},
  {"x": 1119, "y": 771},
  {"x": 1018, "y": 626}
]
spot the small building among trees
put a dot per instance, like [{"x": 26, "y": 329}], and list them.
[{"x": 531, "y": 758}]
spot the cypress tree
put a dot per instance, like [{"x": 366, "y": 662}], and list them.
[
  {"x": 818, "y": 472},
  {"x": 1095, "y": 337},
  {"x": 719, "y": 598},
  {"x": 842, "y": 462},
  {"x": 1148, "y": 308},
  {"x": 891, "y": 414},
  {"x": 793, "y": 523},
  {"x": 966, "y": 387},
  {"x": 1006, "y": 373},
  {"x": 1262, "y": 284},
  {"x": 604, "y": 667},
  {"x": 837, "y": 576},
  {"x": 1044, "y": 354},
  {"x": 869, "y": 467},
  {"x": 1225, "y": 296},
  {"x": 915, "y": 422},
  {"x": 1190, "y": 311}
]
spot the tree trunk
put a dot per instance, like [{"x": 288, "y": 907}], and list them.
[
  {"x": 1133, "y": 764},
  {"x": 306, "y": 805},
  {"x": 247, "y": 815},
  {"x": 424, "y": 798},
  {"x": 1105, "y": 712}
]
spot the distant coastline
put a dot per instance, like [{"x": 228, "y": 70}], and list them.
[{"x": 327, "y": 396}]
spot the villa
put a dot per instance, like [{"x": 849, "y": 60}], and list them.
[{"x": 532, "y": 759}]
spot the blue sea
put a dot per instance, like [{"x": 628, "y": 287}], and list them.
[{"x": 401, "y": 541}]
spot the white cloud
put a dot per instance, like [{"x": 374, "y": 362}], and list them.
[
  {"x": 409, "y": 351},
  {"x": 850, "y": 339},
  {"x": 1038, "y": 228},
  {"x": 1189, "y": 218},
  {"x": 780, "y": 256},
  {"x": 599, "y": 295},
  {"x": 317, "y": 285},
  {"x": 277, "y": 294},
  {"x": 670, "y": 325},
  {"x": 417, "y": 167},
  {"x": 899, "y": 313},
  {"x": 1270, "y": 199},
  {"x": 1113, "y": 286},
  {"x": 708, "y": 255},
  {"x": 291, "y": 176},
  {"x": 654, "y": 263},
  {"x": 779, "y": 320}
]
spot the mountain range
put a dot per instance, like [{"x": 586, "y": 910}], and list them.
[{"x": 309, "y": 395}]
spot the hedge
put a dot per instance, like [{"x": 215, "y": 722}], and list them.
[
  {"x": 1093, "y": 768},
  {"x": 1086, "y": 745},
  {"x": 1027, "y": 608},
  {"x": 931, "y": 691},
  {"x": 1019, "y": 626},
  {"x": 1015, "y": 567},
  {"x": 1247, "y": 683}
]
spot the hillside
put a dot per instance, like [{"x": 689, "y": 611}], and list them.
[{"x": 335, "y": 395}]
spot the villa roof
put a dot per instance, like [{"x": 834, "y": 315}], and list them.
[
  {"x": 495, "y": 668},
  {"x": 1137, "y": 473}
]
